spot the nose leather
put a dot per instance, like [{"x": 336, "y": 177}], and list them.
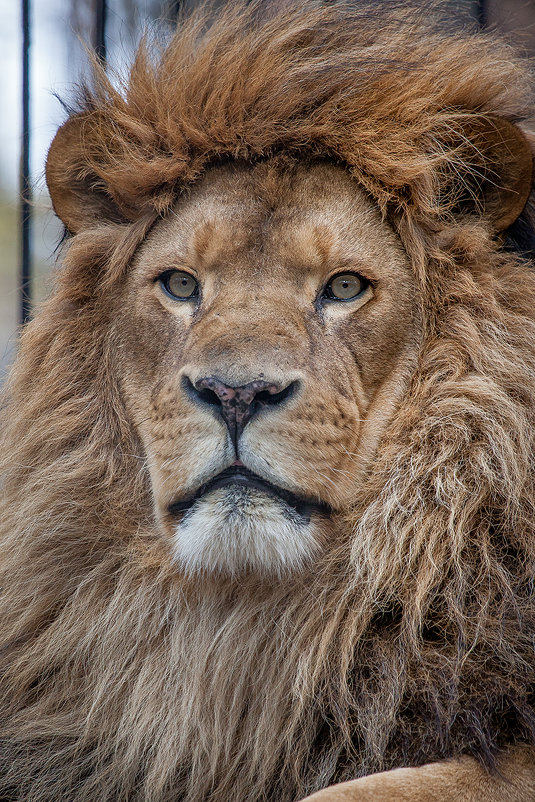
[{"x": 237, "y": 404}]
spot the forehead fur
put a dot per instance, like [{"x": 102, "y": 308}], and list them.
[
  {"x": 308, "y": 214},
  {"x": 388, "y": 95}
]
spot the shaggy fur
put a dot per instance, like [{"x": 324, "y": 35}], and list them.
[{"x": 413, "y": 641}]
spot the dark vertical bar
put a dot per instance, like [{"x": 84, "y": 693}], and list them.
[
  {"x": 174, "y": 9},
  {"x": 100, "y": 30},
  {"x": 480, "y": 12},
  {"x": 25, "y": 178}
]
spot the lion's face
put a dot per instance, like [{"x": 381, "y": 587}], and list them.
[{"x": 264, "y": 339}]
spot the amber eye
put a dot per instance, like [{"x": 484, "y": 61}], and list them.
[
  {"x": 179, "y": 284},
  {"x": 345, "y": 287}
]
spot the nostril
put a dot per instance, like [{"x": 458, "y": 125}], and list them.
[
  {"x": 200, "y": 393},
  {"x": 209, "y": 397},
  {"x": 266, "y": 397}
]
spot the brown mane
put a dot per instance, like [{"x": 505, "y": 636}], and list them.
[{"x": 415, "y": 641}]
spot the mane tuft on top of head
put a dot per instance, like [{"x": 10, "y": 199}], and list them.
[{"x": 387, "y": 92}]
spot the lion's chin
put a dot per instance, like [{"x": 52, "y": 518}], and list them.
[{"x": 235, "y": 530}]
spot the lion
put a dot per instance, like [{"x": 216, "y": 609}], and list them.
[{"x": 268, "y": 522}]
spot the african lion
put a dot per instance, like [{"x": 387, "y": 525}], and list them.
[{"x": 269, "y": 519}]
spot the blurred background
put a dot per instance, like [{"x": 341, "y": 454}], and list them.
[{"x": 59, "y": 31}]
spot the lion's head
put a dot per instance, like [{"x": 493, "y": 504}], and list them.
[
  {"x": 267, "y": 330},
  {"x": 269, "y": 494}
]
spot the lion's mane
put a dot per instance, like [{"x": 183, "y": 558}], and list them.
[{"x": 414, "y": 642}]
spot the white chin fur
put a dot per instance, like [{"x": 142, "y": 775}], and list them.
[{"x": 233, "y": 530}]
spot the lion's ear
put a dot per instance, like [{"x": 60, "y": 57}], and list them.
[
  {"x": 500, "y": 171},
  {"x": 79, "y": 196}
]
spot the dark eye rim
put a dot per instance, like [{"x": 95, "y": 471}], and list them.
[
  {"x": 163, "y": 279},
  {"x": 325, "y": 296}
]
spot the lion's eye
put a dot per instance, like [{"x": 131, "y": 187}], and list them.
[
  {"x": 179, "y": 284},
  {"x": 345, "y": 287}
]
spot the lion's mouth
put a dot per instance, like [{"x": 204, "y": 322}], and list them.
[{"x": 240, "y": 476}]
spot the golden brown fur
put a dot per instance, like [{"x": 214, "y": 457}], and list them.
[
  {"x": 410, "y": 639},
  {"x": 459, "y": 779}
]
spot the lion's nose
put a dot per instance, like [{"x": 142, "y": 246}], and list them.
[{"x": 237, "y": 405}]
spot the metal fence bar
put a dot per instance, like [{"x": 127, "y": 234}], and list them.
[
  {"x": 481, "y": 12},
  {"x": 24, "y": 176},
  {"x": 100, "y": 29},
  {"x": 25, "y": 186},
  {"x": 174, "y": 9}
]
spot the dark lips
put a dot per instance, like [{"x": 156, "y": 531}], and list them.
[{"x": 238, "y": 475}]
